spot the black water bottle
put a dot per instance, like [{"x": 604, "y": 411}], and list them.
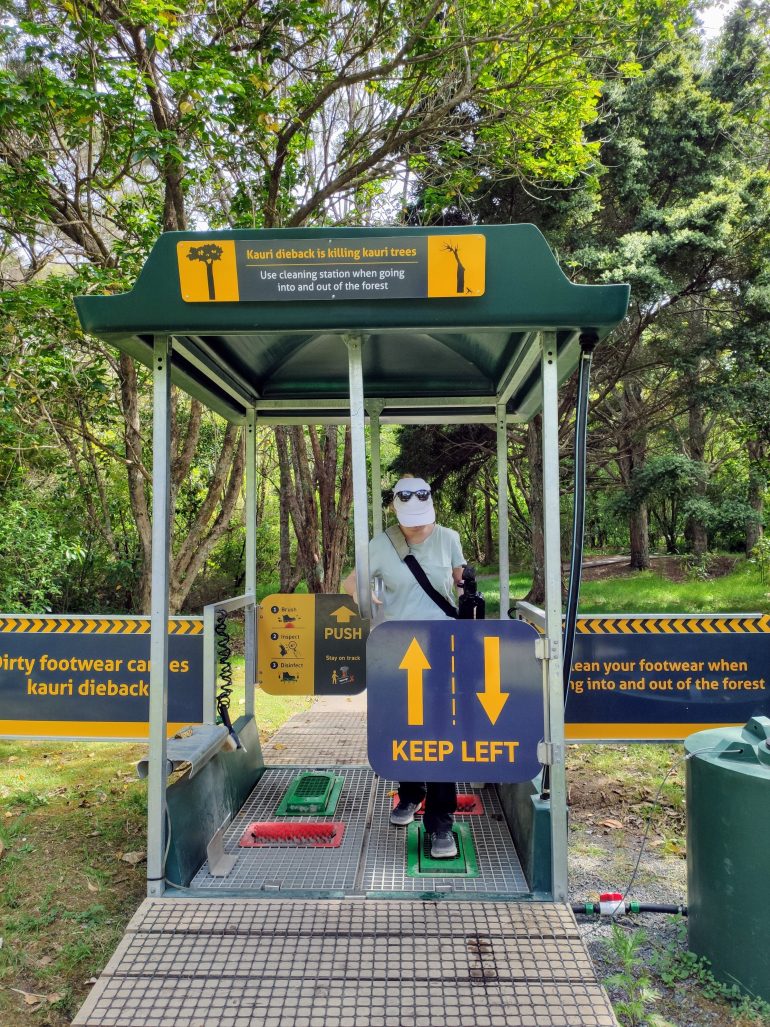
[{"x": 472, "y": 605}]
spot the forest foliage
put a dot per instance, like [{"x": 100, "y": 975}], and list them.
[{"x": 639, "y": 148}]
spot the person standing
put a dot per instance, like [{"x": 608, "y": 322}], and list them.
[{"x": 438, "y": 553}]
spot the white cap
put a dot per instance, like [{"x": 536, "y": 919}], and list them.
[{"x": 414, "y": 512}]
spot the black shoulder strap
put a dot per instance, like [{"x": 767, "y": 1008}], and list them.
[{"x": 402, "y": 548}]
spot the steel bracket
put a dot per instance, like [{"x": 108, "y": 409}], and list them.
[
  {"x": 549, "y": 753},
  {"x": 547, "y": 648},
  {"x": 220, "y": 862}
]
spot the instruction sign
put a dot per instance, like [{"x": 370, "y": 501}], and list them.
[
  {"x": 664, "y": 677},
  {"x": 89, "y": 677},
  {"x": 290, "y": 269},
  {"x": 311, "y": 645},
  {"x": 454, "y": 701}
]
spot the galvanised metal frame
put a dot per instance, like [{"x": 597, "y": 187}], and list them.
[
  {"x": 552, "y": 648},
  {"x": 250, "y": 613},
  {"x": 374, "y": 409},
  {"x": 358, "y": 448},
  {"x": 502, "y": 510},
  {"x": 411, "y": 411},
  {"x": 161, "y": 495}
]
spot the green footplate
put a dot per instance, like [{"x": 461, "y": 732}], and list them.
[
  {"x": 311, "y": 795},
  {"x": 420, "y": 863}
]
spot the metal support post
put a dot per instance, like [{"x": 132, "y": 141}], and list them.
[
  {"x": 552, "y": 669},
  {"x": 209, "y": 665},
  {"x": 502, "y": 510},
  {"x": 161, "y": 492},
  {"x": 250, "y": 614},
  {"x": 358, "y": 452},
  {"x": 374, "y": 409}
]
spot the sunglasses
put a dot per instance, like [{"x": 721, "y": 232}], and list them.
[{"x": 404, "y": 495}]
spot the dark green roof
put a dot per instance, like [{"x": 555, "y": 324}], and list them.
[{"x": 289, "y": 357}]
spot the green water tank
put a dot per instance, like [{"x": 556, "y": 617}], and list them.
[{"x": 728, "y": 852}]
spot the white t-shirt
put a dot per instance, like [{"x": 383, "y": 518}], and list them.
[{"x": 403, "y": 597}]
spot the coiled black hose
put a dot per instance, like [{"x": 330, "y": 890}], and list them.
[
  {"x": 225, "y": 669},
  {"x": 587, "y": 343}
]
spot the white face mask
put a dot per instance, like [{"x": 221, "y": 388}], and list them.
[{"x": 413, "y": 502}]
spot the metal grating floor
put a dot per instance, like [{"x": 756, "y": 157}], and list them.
[
  {"x": 274, "y": 868},
  {"x": 500, "y": 871},
  {"x": 318, "y": 739},
  {"x": 372, "y": 856},
  {"x": 348, "y": 963}
]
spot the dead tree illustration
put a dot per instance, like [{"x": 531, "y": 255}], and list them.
[
  {"x": 208, "y": 253},
  {"x": 454, "y": 250}
]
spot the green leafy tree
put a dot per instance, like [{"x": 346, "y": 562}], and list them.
[{"x": 125, "y": 118}]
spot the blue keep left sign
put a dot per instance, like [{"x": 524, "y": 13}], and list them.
[{"x": 454, "y": 700}]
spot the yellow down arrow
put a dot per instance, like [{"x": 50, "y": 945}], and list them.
[
  {"x": 414, "y": 663},
  {"x": 492, "y": 699}
]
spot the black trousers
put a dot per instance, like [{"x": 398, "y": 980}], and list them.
[{"x": 440, "y": 802}]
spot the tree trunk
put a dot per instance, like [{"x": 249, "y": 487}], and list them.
[
  {"x": 757, "y": 486},
  {"x": 536, "y": 593},
  {"x": 489, "y": 539},
  {"x": 336, "y": 502},
  {"x": 632, "y": 453},
  {"x": 318, "y": 495},
  {"x": 289, "y": 575},
  {"x": 137, "y": 477},
  {"x": 639, "y": 536},
  {"x": 696, "y": 529}
]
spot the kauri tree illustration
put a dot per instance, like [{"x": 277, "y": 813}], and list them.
[
  {"x": 454, "y": 250},
  {"x": 208, "y": 253}
]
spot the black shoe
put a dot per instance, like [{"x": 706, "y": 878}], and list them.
[
  {"x": 403, "y": 813},
  {"x": 443, "y": 845}
]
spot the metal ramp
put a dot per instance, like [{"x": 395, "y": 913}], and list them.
[
  {"x": 342, "y": 937},
  {"x": 348, "y": 963}
]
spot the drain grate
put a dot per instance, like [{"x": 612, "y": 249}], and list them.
[
  {"x": 467, "y": 804},
  {"x": 311, "y": 794},
  {"x": 311, "y": 836}
]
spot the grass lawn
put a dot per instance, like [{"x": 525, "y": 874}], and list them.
[{"x": 741, "y": 591}]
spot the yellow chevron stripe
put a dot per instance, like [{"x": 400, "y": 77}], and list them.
[
  {"x": 92, "y": 626},
  {"x": 671, "y": 625}
]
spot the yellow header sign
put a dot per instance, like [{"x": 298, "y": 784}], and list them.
[{"x": 380, "y": 268}]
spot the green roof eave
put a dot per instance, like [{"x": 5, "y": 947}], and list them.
[{"x": 235, "y": 354}]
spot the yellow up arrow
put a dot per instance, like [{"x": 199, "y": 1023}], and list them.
[
  {"x": 414, "y": 663},
  {"x": 492, "y": 699},
  {"x": 342, "y": 614}
]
